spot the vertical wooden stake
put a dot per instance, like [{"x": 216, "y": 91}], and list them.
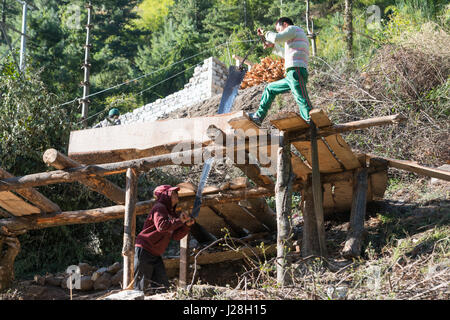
[
  {"x": 317, "y": 190},
  {"x": 310, "y": 241},
  {"x": 184, "y": 261},
  {"x": 352, "y": 247},
  {"x": 283, "y": 198},
  {"x": 129, "y": 227}
]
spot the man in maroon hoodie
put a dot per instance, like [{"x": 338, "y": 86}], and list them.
[{"x": 162, "y": 225}]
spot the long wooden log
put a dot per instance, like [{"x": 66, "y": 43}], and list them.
[
  {"x": 139, "y": 140},
  {"x": 101, "y": 185},
  {"x": 129, "y": 227},
  {"x": 35, "y": 197},
  {"x": 414, "y": 167},
  {"x": 352, "y": 247},
  {"x": 19, "y": 224},
  {"x": 305, "y": 134},
  {"x": 283, "y": 199},
  {"x": 75, "y": 174}
]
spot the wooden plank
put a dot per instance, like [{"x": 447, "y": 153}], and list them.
[
  {"x": 343, "y": 152},
  {"x": 244, "y": 124},
  {"x": 288, "y": 121},
  {"x": 320, "y": 118},
  {"x": 15, "y": 205},
  {"x": 211, "y": 222},
  {"x": 300, "y": 169},
  {"x": 259, "y": 208},
  {"x": 186, "y": 189},
  {"x": 32, "y": 195},
  {"x": 335, "y": 142},
  {"x": 238, "y": 216},
  {"x": 210, "y": 189},
  {"x": 412, "y": 166},
  {"x": 239, "y": 183},
  {"x": 137, "y": 140},
  {"x": 343, "y": 195},
  {"x": 327, "y": 162}
]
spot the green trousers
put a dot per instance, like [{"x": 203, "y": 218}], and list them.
[{"x": 295, "y": 80}]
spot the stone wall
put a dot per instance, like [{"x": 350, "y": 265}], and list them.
[{"x": 208, "y": 80}]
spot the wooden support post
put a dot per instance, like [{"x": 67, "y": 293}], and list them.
[
  {"x": 352, "y": 248},
  {"x": 283, "y": 198},
  {"x": 7, "y": 259},
  {"x": 129, "y": 227},
  {"x": 101, "y": 185},
  {"x": 310, "y": 241},
  {"x": 317, "y": 190},
  {"x": 184, "y": 261},
  {"x": 33, "y": 222}
]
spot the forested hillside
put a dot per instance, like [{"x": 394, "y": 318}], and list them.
[{"x": 393, "y": 59}]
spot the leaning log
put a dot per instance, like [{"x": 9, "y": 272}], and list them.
[
  {"x": 352, "y": 247},
  {"x": 110, "y": 190},
  {"x": 19, "y": 224},
  {"x": 412, "y": 166}
]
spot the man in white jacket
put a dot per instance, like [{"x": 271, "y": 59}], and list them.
[{"x": 289, "y": 42}]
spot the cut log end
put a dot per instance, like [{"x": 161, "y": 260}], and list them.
[{"x": 50, "y": 155}]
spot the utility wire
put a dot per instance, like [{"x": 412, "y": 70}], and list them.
[
  {"x": 153, "y": 72},
  {"x": 146, "y": 89}
]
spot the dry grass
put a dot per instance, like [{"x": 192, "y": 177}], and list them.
[{"x": 411, "y": 78}]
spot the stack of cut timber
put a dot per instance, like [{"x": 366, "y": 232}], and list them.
[{"x": 268, "y": 70}]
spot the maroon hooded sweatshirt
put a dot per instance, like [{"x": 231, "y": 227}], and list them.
[{"x": 162, "y": 225}]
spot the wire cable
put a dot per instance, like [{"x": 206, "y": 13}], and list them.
[{"x": 153, "y": 72}]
